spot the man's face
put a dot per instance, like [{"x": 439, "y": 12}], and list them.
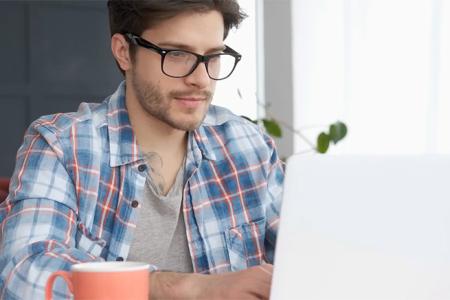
[{"x": 181, "y": 103}]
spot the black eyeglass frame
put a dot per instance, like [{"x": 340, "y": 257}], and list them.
[{"x": 137, "y": 40}]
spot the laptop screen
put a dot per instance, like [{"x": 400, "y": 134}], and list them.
[{"x": 364, "y": 227}]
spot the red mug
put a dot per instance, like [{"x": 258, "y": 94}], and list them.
[{"x": 105, "y": 280}]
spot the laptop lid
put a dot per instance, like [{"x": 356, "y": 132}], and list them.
[{"x": 364, "y": 227}]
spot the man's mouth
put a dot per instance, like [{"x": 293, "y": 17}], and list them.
[
  {"x": 191, "y": 95},
  {"x": 187, "y": 98},
  {"x": 190, "y": 101}
]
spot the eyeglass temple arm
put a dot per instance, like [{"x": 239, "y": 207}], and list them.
[
  {"x": 230, "y": 50},
  {"x": 138, "y": 41}
]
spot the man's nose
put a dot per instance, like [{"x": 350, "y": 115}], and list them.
[{"x": 199, "y": 77}]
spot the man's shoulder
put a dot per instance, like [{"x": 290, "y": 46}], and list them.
[
  {"x": 222, "y": 127},
  {"x": 223, "y": 119},
  {"x": 88, "y": 115}
]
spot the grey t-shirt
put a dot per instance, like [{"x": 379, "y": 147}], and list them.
[{"x": 160, "y": 235}]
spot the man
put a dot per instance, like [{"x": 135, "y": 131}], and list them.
[{"x": 154, "y": 173}]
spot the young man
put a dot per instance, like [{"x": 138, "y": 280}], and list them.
[{"x": 154, "y": 173}]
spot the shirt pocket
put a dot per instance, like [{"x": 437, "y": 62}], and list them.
[
  {"x": 87, "y": 242},
  {"x": 245, "y": 244}
]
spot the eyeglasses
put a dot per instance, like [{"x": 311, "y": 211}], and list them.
[{"x": 181, "y": 63}]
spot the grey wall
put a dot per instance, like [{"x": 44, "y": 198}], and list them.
[
  {"x": 278, "y": 86},
  {"x": 54, "y": 55}
]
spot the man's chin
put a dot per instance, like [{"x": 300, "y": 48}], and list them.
[
  {"x": 185, "y": 125},
  {"x": 187, "y": 122}
]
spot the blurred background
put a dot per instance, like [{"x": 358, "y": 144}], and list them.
[{"x": 380, "y": 66}]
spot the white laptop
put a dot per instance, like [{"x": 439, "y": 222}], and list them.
[{"x": 364, "y": 227}]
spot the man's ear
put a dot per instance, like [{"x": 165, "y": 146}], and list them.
[{"x": 121, "y": 51}]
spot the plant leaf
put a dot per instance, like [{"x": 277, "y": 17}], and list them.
[
  {"x": 272, "y": 127},
  {"x": 323, "y": 142},
  {"x": 338, "y": 131}
]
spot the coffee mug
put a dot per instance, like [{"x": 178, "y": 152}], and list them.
[{"x": 105, "y": 280}]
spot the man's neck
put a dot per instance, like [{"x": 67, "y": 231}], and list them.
[{"x": 163, "y": 146}]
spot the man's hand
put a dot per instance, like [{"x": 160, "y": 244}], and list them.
[{"x": 253, "y": 283}]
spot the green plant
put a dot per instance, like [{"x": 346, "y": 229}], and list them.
[{"x": 336, "y": 131}]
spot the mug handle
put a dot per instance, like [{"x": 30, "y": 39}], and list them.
[{"x": 67, "y": 276}]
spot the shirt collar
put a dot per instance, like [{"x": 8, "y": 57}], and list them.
[
  {"x": 122, "y": 141},
  {"x": 199, "y": 145}
]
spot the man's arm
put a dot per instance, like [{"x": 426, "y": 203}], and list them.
[
  {"x": 272, "y": 203},
  {"x": 39, "y": 221},
  {"x": 253, "y": 283}
]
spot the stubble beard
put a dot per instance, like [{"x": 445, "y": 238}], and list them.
[{"x": 158, "y": 106}]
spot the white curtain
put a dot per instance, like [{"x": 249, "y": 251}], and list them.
[{"x": 381, "y": 66}]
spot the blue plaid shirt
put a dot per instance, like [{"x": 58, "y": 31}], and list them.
[{"x": 79, "y": 178}]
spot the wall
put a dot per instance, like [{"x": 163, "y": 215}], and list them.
[
  {"x": 55, "y": 54},
  {"x": 278, "y": 89}
]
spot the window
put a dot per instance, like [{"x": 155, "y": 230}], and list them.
[
  {"x": 381, "y": 66},
  {"x": 244, "y": 77}
]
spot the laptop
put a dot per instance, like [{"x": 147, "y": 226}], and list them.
[{"x": 364, "y": 227}]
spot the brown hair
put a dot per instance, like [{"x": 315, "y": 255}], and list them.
[{"x": 136, "y": 16}]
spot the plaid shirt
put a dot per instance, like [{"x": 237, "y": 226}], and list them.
[{"x": 79, "y": 178}]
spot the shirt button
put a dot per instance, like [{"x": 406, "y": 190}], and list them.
[
  {"x": 142, "y": 168},
  {"x": 134, "y": 204},
  {"x": 120, "y": 258}
]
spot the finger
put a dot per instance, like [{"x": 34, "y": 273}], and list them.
[
  {"x": 264, "y": 263},
  {"x": 266, "y": 268},
  {"x": 261, "y": 290}
]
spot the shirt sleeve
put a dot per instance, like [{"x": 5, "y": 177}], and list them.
[
  {"x": 275, "y": 181},
  {"x": 38, "y": 220}
]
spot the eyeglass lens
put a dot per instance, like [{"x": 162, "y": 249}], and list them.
[{"x": 181, "y": 63}]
